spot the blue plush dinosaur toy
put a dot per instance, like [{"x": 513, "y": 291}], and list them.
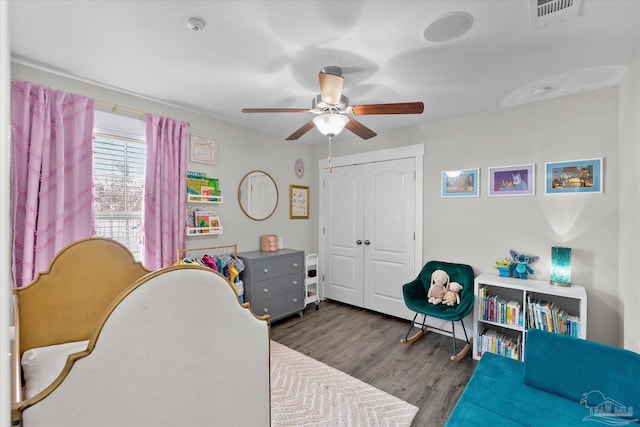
[{"x": 521, "y": 267}]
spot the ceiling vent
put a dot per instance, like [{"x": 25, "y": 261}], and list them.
[{"x": 551, "y": 12}]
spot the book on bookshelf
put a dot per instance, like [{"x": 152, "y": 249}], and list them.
[
  {"x": 205, "y": 220},
  {"x": 549, "y": 317},
  {"x": 208, "y": 193},
  {"x": 198, "y": 184},
  {"x": 500, "y": 310},
  {"x": 493, "y": 341}
]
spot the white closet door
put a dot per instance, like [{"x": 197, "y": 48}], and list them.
[
  {"x": 369, "y": 235},
  {"x": 388, "y": 234},
  {"x": 344, "y": 218}
]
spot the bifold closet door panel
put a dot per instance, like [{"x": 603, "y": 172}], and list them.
[
  {"x": 343, "y": 235},
  {"x": 389, "y": 220}
]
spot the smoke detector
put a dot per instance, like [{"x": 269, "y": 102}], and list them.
[
  {"x": 551, "y": 12},
  {"x": 195, "y": 24}
]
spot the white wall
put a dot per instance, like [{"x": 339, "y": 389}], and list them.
[
  {"x": 479, "y": 231},
  {"x": 239, "y": 150},
  {"x": 629, "y": 93}
]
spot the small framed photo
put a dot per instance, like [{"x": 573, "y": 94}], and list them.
[
  {"x": 298, "y": 202},
  {"x": 575, "y": 176},
  {"x": 461, "y": 183},
  {"x": 512, "y": 180},
  {"x": 202, "y": 150}
]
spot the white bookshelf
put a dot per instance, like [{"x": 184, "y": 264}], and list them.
[{"x": 571, "y": 299}]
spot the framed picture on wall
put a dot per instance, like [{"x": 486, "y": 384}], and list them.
[
  {"x": 512, "y": 180},
  {"x": 461, "y": 183},
  {"x": 298, "y": 202},
  {"x": 575, "y": 176},
  {"x": 202, "y": 150}
]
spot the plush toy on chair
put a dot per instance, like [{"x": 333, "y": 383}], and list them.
[
  {"x": 439, "y": 286},
  {"x": 452, "y": 296}
]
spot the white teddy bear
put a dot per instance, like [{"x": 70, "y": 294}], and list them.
[
  {"x": 438, "y": 287},
  {"x": 453, "y": 294}
]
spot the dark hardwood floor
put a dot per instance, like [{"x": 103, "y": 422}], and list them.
[{"x": 366, "y": 345}]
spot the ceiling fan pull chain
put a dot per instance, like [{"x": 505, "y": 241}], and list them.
[{"x": 329, "y": 158}]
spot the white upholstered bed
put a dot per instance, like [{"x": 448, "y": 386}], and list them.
[{"x": 124, "y": 346}]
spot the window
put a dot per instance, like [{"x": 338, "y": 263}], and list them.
[{"x": 119, "y": 163}]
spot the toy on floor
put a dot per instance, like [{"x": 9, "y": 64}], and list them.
[
  {"x": 438, "y": 287},
  {"x": 521, "y": 267},
  {"x": 452, "y": 296}
]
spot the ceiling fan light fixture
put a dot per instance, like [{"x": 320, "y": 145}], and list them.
[{"x": 330, "y": 124}]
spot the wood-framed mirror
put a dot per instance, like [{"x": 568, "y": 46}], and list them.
[{"x": 258, "y": 195}]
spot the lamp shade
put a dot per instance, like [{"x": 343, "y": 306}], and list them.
[
  {"x": 560, "y": 266},
  {"x": 330, "y": 123}
]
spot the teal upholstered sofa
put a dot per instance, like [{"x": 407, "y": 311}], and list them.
[{"x": 564, "y": 381}]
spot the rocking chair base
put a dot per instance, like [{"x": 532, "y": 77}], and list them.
[
  {"x": 414, "y": 337},
  {"x": 462, "y": 353}
]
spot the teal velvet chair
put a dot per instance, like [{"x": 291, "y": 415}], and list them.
[{"x": 415, "y": 298}]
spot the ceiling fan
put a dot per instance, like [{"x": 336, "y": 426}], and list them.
[{"x": 332, "y": 109}]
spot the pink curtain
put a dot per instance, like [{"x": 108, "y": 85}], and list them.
[
  {"x": 52, "y": 186},
  {"x": 165, "y": 191}
]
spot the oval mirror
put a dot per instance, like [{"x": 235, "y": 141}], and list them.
[{"x": 258, "y": 195}]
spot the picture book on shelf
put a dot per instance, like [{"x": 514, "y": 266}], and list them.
[
  {"x": 199, "y": 185},
  {"x": 549, "y": 317},
  {"x": 206, "y": 220}
]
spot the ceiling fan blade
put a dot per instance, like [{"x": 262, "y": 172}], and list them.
[
  {"x": 275, "y": 110},
  {"x": 359, "y": 129},
  {"x": 398, "y": 108},
  {"x": 330, "y": 88},
  {"x": 304, "y": 129}
]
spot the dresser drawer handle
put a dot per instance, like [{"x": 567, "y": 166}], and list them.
[
  {"x": 295, "y": 265},
  {"x": 295, "y": 282},
  {"x": 266, "y": 270},
  {"x": 266, "y": 290},
  {"x": 266, "y": 310},
  {"x": 295, "y": 300}
]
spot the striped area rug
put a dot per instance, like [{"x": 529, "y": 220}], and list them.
[{"x": 305, "y": 392}]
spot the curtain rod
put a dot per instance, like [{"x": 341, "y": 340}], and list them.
[{"x": 115, "y": 107}]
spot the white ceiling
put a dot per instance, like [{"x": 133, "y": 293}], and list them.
[{"x": 268, "y": 53}]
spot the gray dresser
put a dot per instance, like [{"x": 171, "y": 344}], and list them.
[{"x": 274, "y": 282}]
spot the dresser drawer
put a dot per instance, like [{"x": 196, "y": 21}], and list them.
[
  {"x": 279, "y": 306},
  {"x": 269, "y": 268},
  {"x": 268, "y": 288}
]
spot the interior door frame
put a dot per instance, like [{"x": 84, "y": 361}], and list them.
[{"x": 415, "y": 152}]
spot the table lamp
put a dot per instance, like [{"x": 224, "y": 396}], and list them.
[{"x": 560, "y": 266}]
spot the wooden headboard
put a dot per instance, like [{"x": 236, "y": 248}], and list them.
[{"x": 65, "y": 303}]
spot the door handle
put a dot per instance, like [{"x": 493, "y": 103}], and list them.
[
  {"x": 359, "y": 242},
  {"x": 366, "y": 242}
]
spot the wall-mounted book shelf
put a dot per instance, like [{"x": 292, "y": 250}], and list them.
[
  {"x": 505, "y": 308},
  {"x": 201, "y": 198}
]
